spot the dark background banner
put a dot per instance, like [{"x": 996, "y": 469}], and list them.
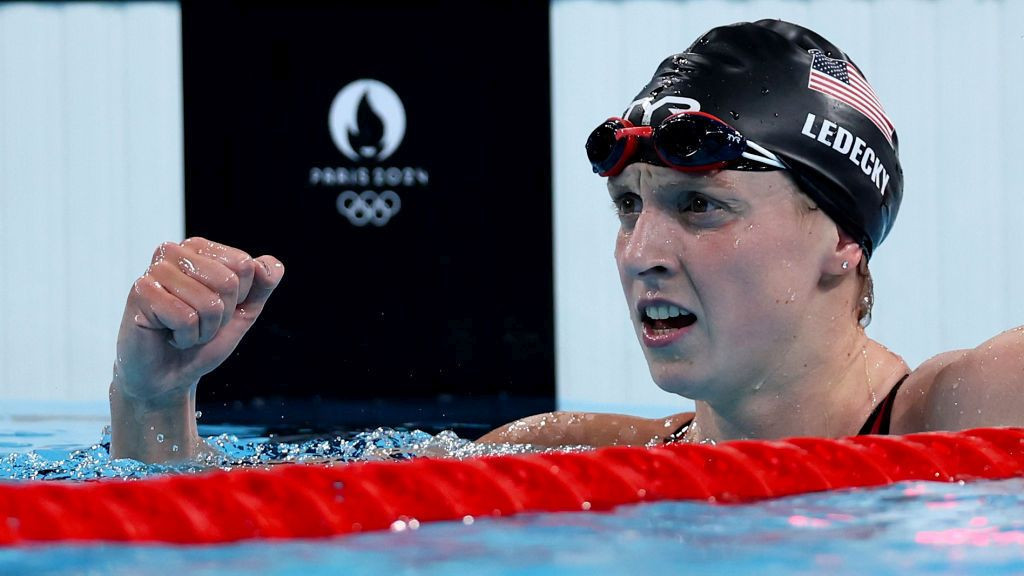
[{"x": 399, "y": 165}]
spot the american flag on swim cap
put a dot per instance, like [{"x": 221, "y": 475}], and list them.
[{"x": 842, "y": 81}]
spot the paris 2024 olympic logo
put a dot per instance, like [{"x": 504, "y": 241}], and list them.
[{"x": 367, "y": 124}]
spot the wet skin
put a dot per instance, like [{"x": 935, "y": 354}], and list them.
[
  {"x": 768, "y": 321},
  {"x": 769, "y": 344},
  {"x": 183, "y": 317},
  {"x": 741, "y": 251},
  {"x": 766, "y": 339}
]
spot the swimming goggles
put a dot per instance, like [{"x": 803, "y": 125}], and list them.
[{"x": 688, "y": 141}]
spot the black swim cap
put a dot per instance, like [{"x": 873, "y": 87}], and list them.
[{"x": 798, "y": 95}]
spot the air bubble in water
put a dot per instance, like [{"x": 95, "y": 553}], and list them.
[{"x": 159, "y": 437}]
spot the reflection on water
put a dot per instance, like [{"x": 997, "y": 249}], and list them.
[{"x": 881, "y": 531}]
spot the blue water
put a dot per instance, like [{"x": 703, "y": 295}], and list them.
[{"x": 910, "y": 528}]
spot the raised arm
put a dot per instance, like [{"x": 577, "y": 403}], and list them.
[{"x": 184, "y": 316}]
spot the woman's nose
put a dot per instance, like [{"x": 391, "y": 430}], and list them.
[{"x": 649, "y": 248}]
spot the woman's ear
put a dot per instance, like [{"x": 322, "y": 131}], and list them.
[{"x": 846, "y": 257}]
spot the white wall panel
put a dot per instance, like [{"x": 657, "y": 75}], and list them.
[
  {"x": 91, "y": 180},
  {"x": 947, "y": 71}
]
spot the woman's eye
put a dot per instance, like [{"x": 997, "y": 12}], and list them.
[
  {"x": 699, "y": 204},
  {"x": 627, "y": 204}
]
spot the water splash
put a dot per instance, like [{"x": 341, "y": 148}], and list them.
[{"x": 229, "y": 452}]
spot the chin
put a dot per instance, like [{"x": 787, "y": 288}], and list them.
[{"x": 679, "y": 382}]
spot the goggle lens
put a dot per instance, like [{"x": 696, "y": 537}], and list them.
[
  {"x": 605, "y": 149},
  {"x": 686, "y": 141},
  {"x": 689, "y": 140}
]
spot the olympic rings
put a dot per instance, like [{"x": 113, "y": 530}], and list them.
[{"x": 369, "y": 207}]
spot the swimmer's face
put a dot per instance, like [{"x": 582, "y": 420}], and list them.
[{"x": 716, "y": 268}]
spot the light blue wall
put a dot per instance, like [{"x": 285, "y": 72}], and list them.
[
  {"x": 949, "y": 73},
  {"x": 91, "y": 181}
]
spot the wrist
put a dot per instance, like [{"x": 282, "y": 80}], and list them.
[
  {"x": 152, "y": 429},
  {"x": 151, "y": 394}
]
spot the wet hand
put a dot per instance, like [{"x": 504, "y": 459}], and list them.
[{"x": 186, "y": 315}]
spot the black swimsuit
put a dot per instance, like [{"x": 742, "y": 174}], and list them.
[{"x": 877, "y": 422}]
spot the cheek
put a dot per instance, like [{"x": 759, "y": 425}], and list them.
[
  {"x": 753, "y": 276},
  {"x": 618, "y": 253}
]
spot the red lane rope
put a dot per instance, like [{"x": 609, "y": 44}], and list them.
[{"x": 302, "y": 501}]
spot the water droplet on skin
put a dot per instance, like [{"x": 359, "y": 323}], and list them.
[
  {"x": 174, "y": 448},
  {"x": 159, "y": 437}
]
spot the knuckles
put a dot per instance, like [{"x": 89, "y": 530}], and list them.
[
  {"x": 161, "y": 251},
  {"x": 231, "y": 284},
  {"x": 210, "y": 308},
  {"x": 196, "y": 243}
]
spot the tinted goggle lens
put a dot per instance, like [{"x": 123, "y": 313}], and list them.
[
  {"x": 604, "y": 149},
  {"x": 692, "y": 141},
  {"x": 685, "y": 141}
]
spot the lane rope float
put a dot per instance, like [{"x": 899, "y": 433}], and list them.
[{"x": 308, "y": 501}]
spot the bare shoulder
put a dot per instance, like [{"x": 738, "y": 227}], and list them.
[
  {"x": 962, "y": 389},
  {"x": 586, "y": 428}
]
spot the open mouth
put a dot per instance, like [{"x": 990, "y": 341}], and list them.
[{"x": 664, "y": 318}]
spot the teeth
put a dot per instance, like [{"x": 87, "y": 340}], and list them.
[{"x": 664, "y": 312}]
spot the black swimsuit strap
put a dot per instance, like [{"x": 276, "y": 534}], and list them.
[
  {"x": 680, "y": 432},
  {"x": 878, "y": 421}
]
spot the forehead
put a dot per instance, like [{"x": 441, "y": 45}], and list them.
[{"x": 639, "y": 177}]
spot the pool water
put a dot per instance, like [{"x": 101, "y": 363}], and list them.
[{"x": 908, "y": 528}]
